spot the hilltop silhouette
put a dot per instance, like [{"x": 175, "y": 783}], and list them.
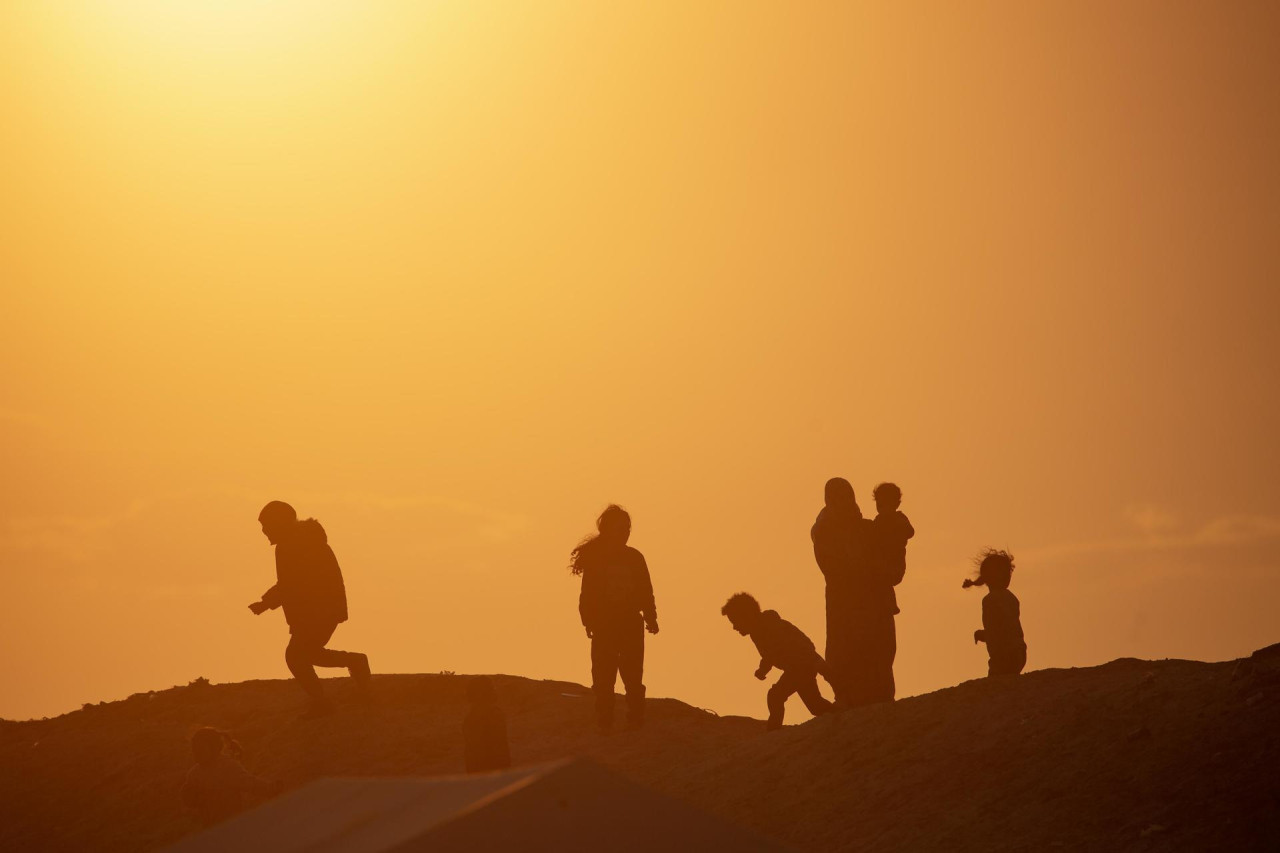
[{"x": 1131, "y": 755}]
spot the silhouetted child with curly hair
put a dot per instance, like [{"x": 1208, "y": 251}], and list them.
[
  {"x": 1001, "y": 626},
  {"x": 216, "y": 787},
  {"x": 893, "y": 529},
  {"x": 784, "y": 646}
]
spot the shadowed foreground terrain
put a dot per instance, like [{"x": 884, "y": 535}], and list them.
[{"x": 1132, "y": 755}]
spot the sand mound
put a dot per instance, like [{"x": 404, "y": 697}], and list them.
[{"x": 1147, "y": 755}]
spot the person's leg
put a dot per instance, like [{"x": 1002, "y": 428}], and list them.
[
  {"x": 604, "y": 675},
  {"x": 355, "y": 663},
  {"x": 838, "y": 652},
  {"x": 858, "y": 675},
  {"x": 1005, "y": 662},
  {"x": 813, "y": 699},
  {"x": 631, "y": 666},
  {"x": 777, "y": 700},
  {"x": 886, "y": 647},
  {"x": 304, "y": 643}
]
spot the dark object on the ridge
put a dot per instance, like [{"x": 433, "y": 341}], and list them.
[
  {"x": 861, "y": 635},
  {"x": 309, "y": 587},
  {"x": 484, "y": 731},
  {"x": 784, "y": 646},
  {"x": 616, "y": 605},
  {"x": 217, "y": 785},
  {"x": 1001, "y": 623}
]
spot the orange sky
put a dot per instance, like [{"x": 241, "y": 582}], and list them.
[{"x": 450, "y": 277}]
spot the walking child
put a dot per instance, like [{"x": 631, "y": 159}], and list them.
[
  {"x": 784, "y": 646},
  {"x": 1001, "y": 624},
  {"x": 616, "y": 605}
]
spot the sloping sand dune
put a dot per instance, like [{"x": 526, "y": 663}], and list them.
[{"x": 1132, "y": 755}]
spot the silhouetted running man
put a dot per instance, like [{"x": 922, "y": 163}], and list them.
[
  {"x": 617, "y": 607},
  {"x": 309, "y": 587},
  {"x": 861, "y": 604}
]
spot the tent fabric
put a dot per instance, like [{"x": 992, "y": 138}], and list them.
[{"x": 564, "y": 806}]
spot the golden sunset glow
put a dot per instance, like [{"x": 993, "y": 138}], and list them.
[{"x": 451, "y": 277}]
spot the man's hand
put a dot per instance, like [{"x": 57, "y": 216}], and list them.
[
  {"x": 651, "y": 626},
  {"x": 589, "y": 635},
  {"x": 762, "y": 673},
  {"x": 258, "y": 608},
  {"x": 979, "y": 636}
]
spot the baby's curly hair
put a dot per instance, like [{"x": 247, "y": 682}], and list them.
[
  {"x": 991, "y": 564},
  {"x": 888, "y": 492}
]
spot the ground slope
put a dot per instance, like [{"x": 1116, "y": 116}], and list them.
[{"x": 1133, "y": 755}]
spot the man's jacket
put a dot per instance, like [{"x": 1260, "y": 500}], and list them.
[{"x": 308, "y": 580}]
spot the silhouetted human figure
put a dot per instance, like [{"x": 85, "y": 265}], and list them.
[
  {"x": 784, "y": 646},
  {"x": 617, "y": 606},
  {"x": 893, "y": 529},
  {"x": 484, "y": 731},
  {"x": 1001, "y": 623},
  {"x": 309, "y": 587},
  {"x": 217, "y": 785},
  {"x": 861, "y": 604}
]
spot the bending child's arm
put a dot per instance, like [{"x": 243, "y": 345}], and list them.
[{"x": 762, "y": 672}]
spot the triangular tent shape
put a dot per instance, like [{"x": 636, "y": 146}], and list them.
[{"x": 566, "y": 806}]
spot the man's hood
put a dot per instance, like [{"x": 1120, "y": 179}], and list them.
[{"x": 309, "y": 532}]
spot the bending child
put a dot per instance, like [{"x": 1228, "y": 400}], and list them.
[
  {"x": 784, "y": 646},
  {"x": 1001, "y": 626}
]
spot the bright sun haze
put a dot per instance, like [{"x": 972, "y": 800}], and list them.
[{"x": 450, "y": 277}]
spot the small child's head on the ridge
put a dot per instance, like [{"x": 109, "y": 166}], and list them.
[
  {"x": 888, "y": 497},
  {"x": 995, "y": 569},
  {"x": 743, "y": 612},
  {"x": 207, "y": 744}
]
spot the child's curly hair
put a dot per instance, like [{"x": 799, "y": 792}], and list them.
[
  {"x": 888, "y": 492},
  {"x": 990, "y": 563},
  {"x": 740, "y": 604}
]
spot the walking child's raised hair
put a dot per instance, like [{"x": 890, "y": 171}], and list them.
[
  {"x": 990, "y": 562},
  {"x": 613, "y": 519}
]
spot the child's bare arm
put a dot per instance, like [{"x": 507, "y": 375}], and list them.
[{"x": 762, "y": 672}]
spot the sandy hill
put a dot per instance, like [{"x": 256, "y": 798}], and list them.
[{"x": 1132, "y": 755}]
